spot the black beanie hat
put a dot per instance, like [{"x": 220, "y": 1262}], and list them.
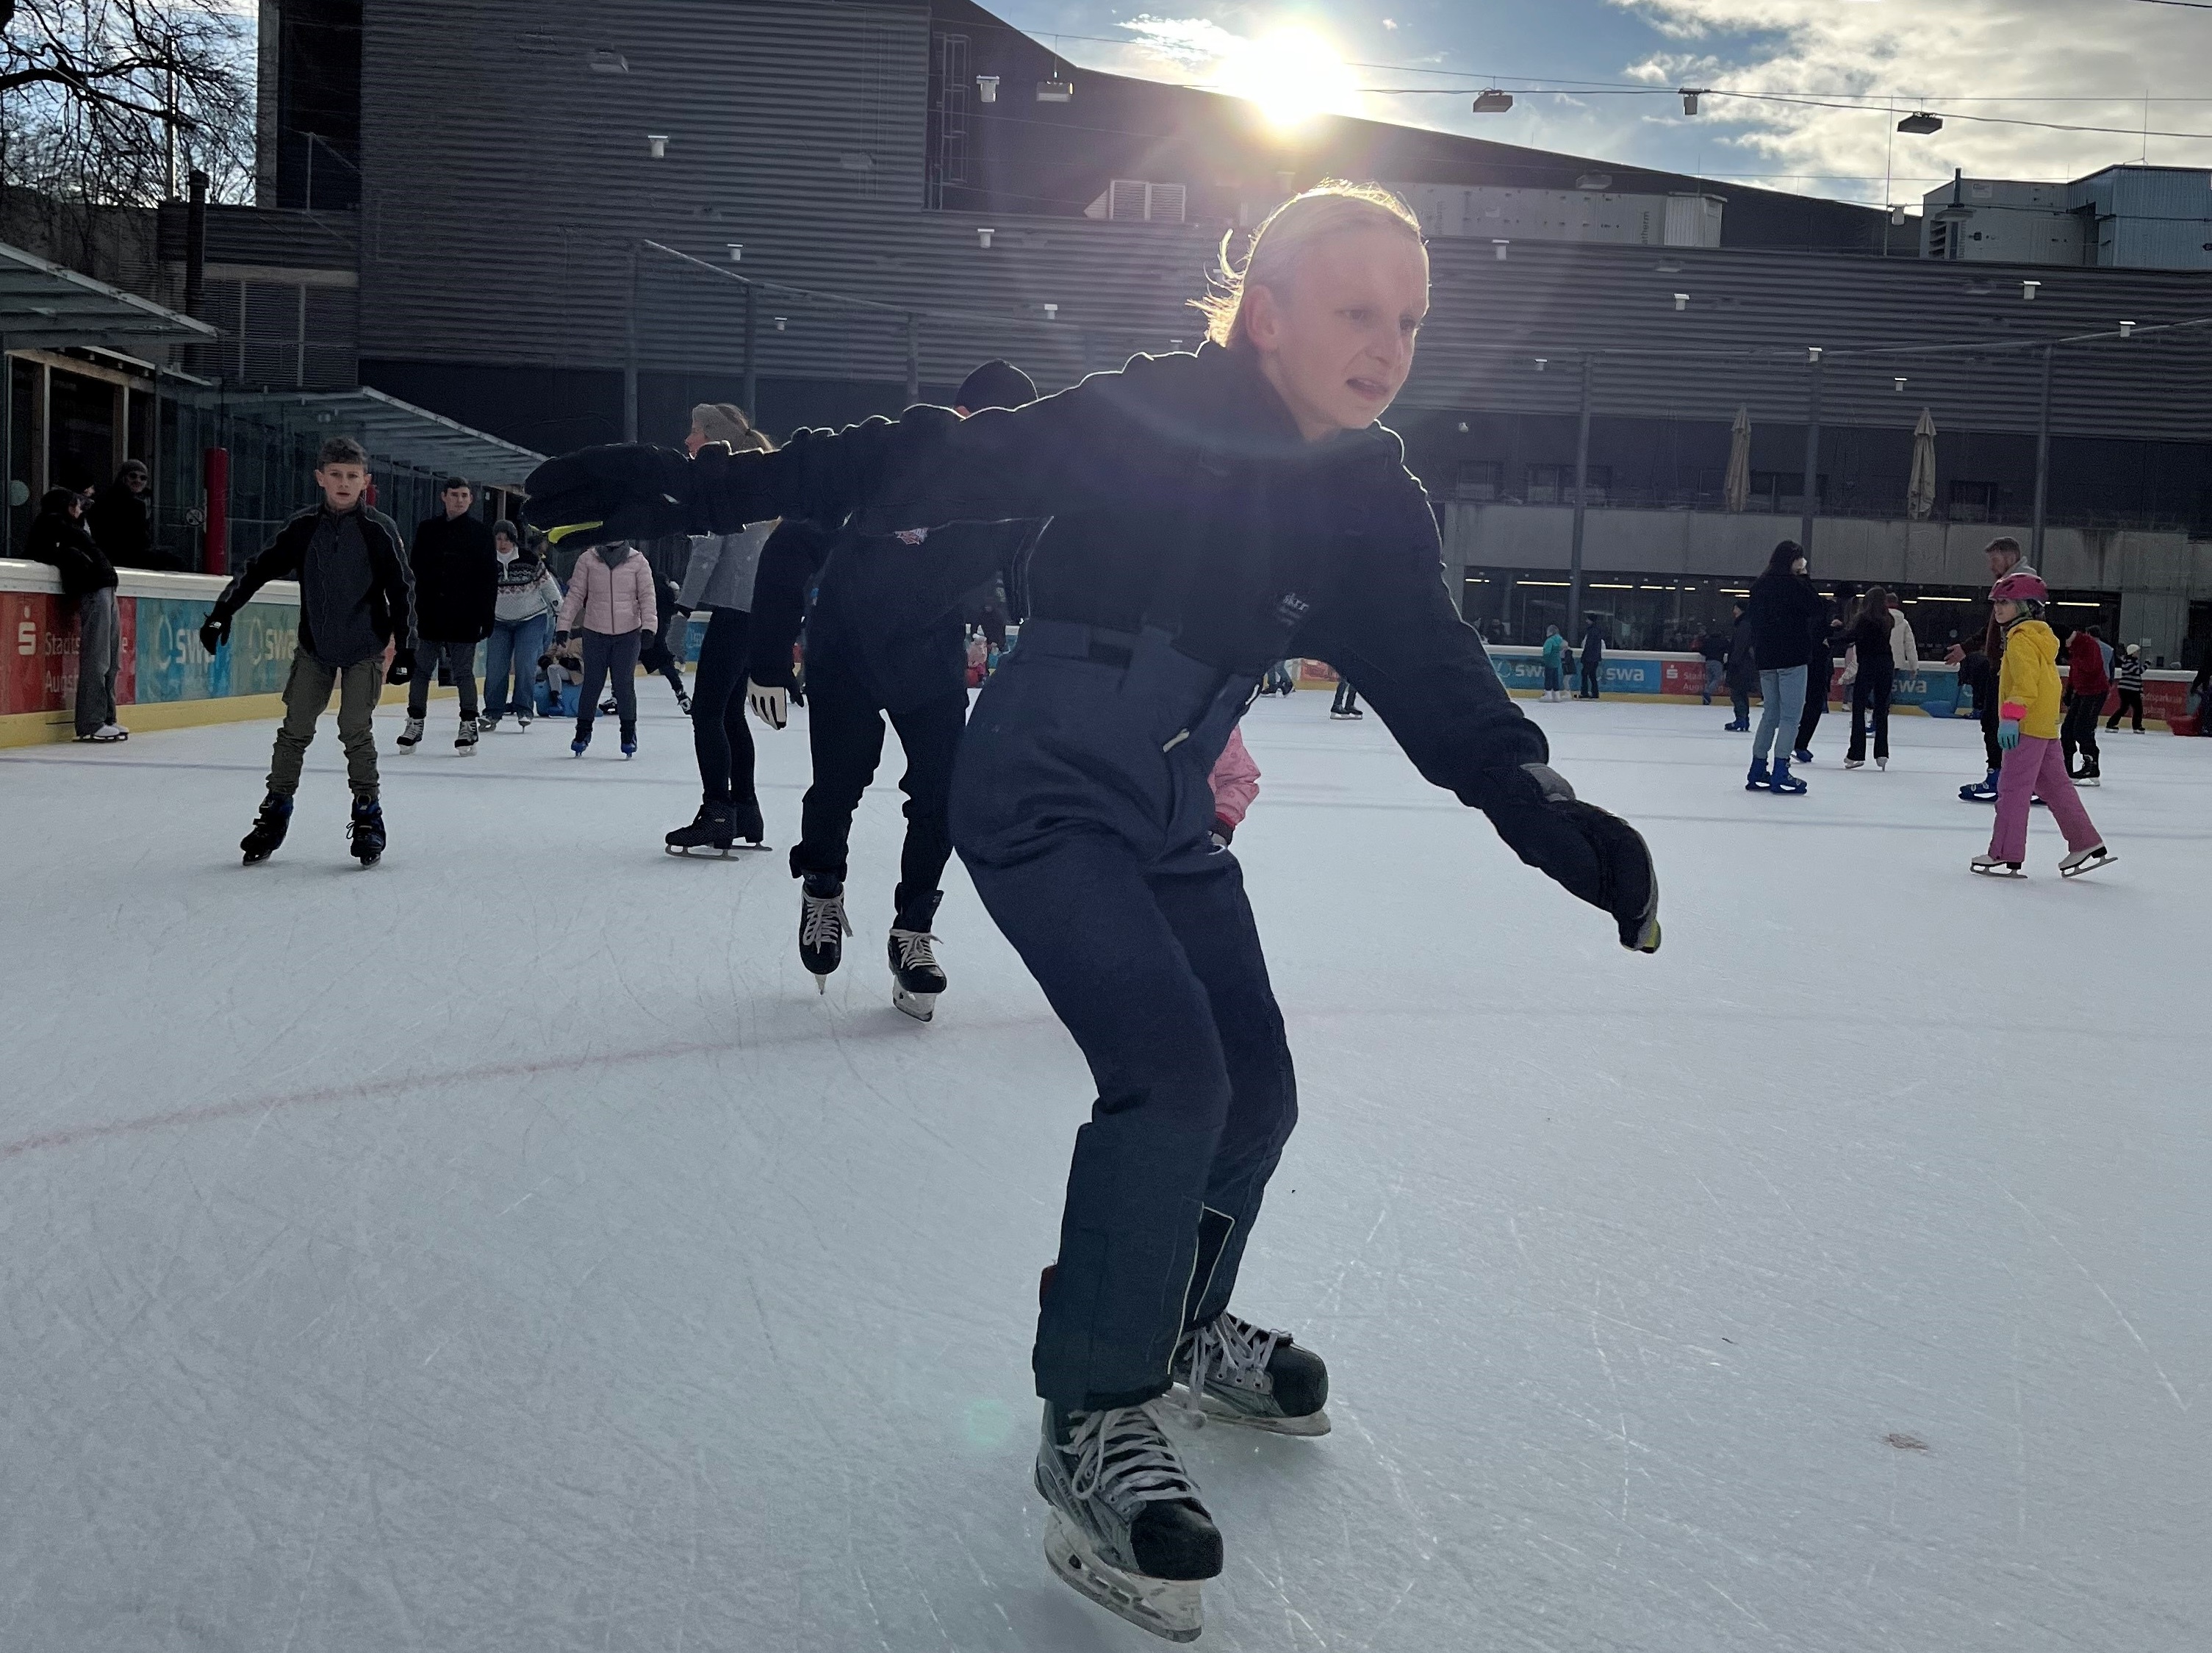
[{"x": 995, "y": 385}]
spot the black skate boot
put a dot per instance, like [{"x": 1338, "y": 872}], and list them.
[
  {"x": 745, "y": 822},
  {"x": 683, "y": 701},
  {"x": 1236, "y": 1373},
  {"x": 366, "y": 830},
  {"x": 411, "y": 736},
  {"x": 267, "y": 831},
  {"x": 465, "y": 741},
  {"x": 822, "y": 926},
  {"x": 916, "y": 979},
  {"x": 1127, "y": 1527},
  {"x": 710, "y": 830}
]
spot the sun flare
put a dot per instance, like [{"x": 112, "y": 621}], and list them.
[{"x": 1292, "y": 76}]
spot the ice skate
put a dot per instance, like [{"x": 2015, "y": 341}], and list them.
[
  {"x": 1235, "y": 1372},
  {"x": 630, "y": 740},
  {"x": 366, "y": 830},
  {"x": 488, "y": 726},
  {"x": 746, "y": 825},
  {"x": 1803, "y": 754},
  {"x": 1882, "y": 763},
  {"x": 267, "y": 831},
  {"x": 916, "y": 979},
  {"x": 465, "y": 742},
  {"x": 522, "y": 719},
  {"x": 710, "y": 830},
  {"x": 2086, "y": 860},
  {"x": 822, "y": 926},
  {"x": 107, "y": 734},
  {"x": 1758, "y": 780},
  {"x": 1784, "y": 782},
  {"x": 1855, "y": 763},
  {"x": 1995, "y": 868},
  {"x": 1980, "y": 792},
  {"x": 682, "y": 701},
  {"x": 2091, "y": 775},
  {"x": 1127, "y": 1527},
  {"x": 580, "y": 744},
  {"x": 411, "y": 736}
]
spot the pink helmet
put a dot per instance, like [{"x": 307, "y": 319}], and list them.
[{"x": 2019, "y": 588}]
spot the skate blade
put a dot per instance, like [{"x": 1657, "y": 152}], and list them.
[
  {"x": 1997, "y": 872},
  {"x": 922, "y": 1007},
  {"x": 2087, "y": 866},
  {"x": 1170, "y": 1608},
  {"x": 822, "y": 985},
  {"x": 1218, "y": 1411}
]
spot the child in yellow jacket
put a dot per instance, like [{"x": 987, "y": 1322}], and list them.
[{"x": 2029, "y": 698}]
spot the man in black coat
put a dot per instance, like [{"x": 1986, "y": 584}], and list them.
[
  {"x": 884, "y": 639},
  {"x": 455, "y": 562},
  {"x": 1742, "y": 668},
  {"x": 119, "y": 521},
  {"x": 1820, "y": 675}
]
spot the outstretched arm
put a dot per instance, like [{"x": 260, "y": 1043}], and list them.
[
  {"x": 1097, "y": 443},
  {"x": 1391, "y": 629}
]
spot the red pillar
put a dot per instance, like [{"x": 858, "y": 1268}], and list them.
[{"x": 214, "y": 478}]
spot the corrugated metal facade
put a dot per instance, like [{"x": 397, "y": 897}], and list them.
[{"x": 506, "y": 184}]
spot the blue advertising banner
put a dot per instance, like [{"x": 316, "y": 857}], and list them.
[{"x": 172, "y": 666}]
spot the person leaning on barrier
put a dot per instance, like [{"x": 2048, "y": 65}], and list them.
[{"x": 58, "y": 538}]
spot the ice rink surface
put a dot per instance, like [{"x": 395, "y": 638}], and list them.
[{"x": 505, "y": 1248}]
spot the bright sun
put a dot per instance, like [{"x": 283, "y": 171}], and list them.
[{"x": 1291, "y": 76}]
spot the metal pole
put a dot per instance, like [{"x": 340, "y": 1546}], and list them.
[
  {"x": 752, "y": 353},
  {"x": 1582, "y": 494},
  {"x": 913, "y": 358},
  {"x": 1812, "y": 462},
  {"x": 629, "y": 356},
  {"x": 2042, "y": 457}
]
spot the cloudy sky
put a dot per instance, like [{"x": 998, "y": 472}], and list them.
[{"x": 2122, "y": 65}]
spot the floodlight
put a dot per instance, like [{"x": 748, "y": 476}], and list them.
[
  {"x": 1920, "y": 123},
  {"x": 1492, "y": 102}
]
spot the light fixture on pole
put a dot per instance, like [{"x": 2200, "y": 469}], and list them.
[
  {"x": 1920, "y": 123},
  {"x": 986, "y": 88},
  {"x": 983, "y": 237},
  {"x": 1492, "y": 102},
  {"x": 656, "y": 144},
  {"x": 1055, "y": 90},
  {"x": 1897, "y": 218},
  {"x": 2027, "y": 291},
  {"x": 1690, "y": 96}
]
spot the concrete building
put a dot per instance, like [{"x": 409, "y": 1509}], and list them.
[{"x": 568, "y": 221}]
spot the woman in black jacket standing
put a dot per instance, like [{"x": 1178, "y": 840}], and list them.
[
  {"x": 1785, "y": 608},
  {"x": 1212, "y": 514},
  {"x": 59, "y": 538},
  {"x": 1870, "y": 634}
]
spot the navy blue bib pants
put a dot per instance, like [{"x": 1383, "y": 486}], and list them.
[{"x": 1082, "y": 810}]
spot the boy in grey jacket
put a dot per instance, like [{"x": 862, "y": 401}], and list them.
[{"x": 356, "y": 596}]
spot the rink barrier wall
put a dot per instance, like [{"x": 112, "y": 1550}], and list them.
[{"x": 166, "y": 680}]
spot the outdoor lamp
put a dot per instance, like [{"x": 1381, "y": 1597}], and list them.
[
  {"x": 656, "y": 144},
  {"x": 983, "y": 236},
  {"x": 737, "y": 251},
  {"x": 1681, "y": 300},
  {"x": 2027, "y": 290},
  {"x": 1920, "y": 123},
  {"x": 1501, "y": 246},
  {"x": 2126, "y": 327},
  {"x": 1492, "y": 102},
  {"x": 986, "y": 88},
  {"x": 1690, "y": 96}
]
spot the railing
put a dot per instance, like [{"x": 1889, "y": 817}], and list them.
[{"x": 1892, "y": 510}]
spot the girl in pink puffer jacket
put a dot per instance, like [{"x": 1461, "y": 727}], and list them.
[
  {"x": 1236, "y": 783},
  {"x": 611, "y": 593}
]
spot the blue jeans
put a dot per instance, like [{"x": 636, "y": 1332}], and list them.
[
  {"x": 1783, "y": 693},
  {"x": 513, "y": 644},
  {"x": 1714, "y": 671}
]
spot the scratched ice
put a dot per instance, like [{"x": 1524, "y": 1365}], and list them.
[{"x": 506, "y": 1248}]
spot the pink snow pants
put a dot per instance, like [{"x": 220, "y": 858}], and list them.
[{"x": 2037, "y": 768}]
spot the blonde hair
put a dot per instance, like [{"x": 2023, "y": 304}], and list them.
[
  {"x": 725, "y": 421},
  {"x": 1331, "y": 207}
]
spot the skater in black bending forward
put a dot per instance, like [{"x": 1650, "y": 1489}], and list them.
[
  {"x": 1211, "y": 514},
  {"x": 884, "y": 640}
]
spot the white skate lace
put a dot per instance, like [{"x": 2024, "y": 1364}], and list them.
[
  {"x": 1233, "y": 1347},
  {"x": 914, "y": 949},
  {"x": 1121, "y": 1457},
  {"x": 823, "y": 922}
]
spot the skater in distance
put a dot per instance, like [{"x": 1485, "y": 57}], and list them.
[
  {"x": 1212, "y": 513},
  {"x": 883, "y": 641},
  {"x": 2029, "y": 695},
  {"x": 356, "y": 602}
]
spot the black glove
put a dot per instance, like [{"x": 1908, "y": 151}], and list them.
[
  {"x": 401, "y": 667},
  {"x": 215, "y": 631},
  {"x": 622, "y": 490},
  {"x": 1597, "y": 857},
  {"x": 1224, "y": 832},
  {"x": 544, "y": 660},
  {"x": 560, "y": 639}
]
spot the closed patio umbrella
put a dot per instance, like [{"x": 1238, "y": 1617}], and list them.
[
  {"x": 1736, "y": 489},
  {"x": 1920, "y": 492}
]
